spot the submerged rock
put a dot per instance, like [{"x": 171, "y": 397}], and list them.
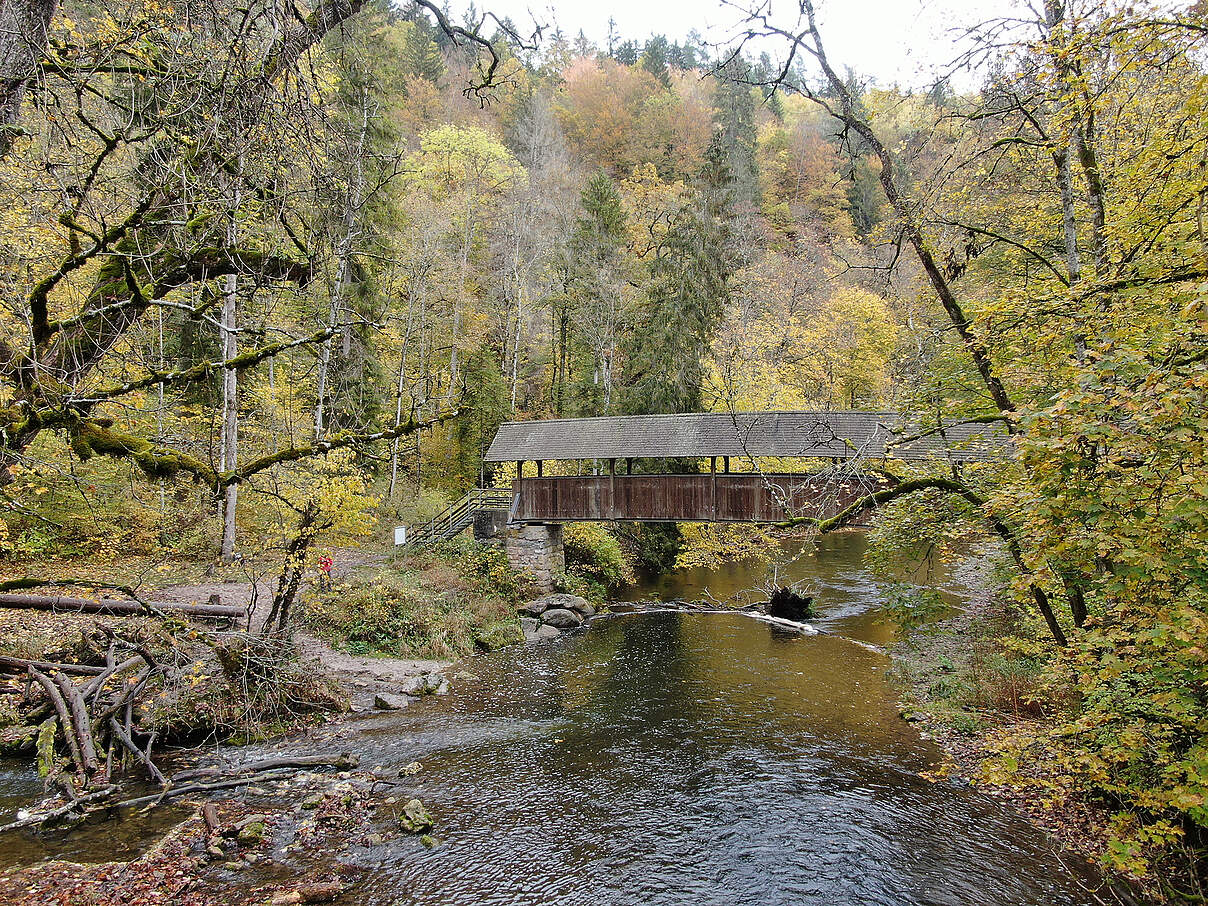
[
  {"x": 387, "y": 701},
  {"x": 561, "y": 618},
  {"x": 254, "y": 832}
]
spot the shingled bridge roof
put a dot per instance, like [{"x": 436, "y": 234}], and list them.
[{"x": 845, "y": 434}]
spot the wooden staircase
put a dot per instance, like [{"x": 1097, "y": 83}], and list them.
[{"x": 459, "y": 516}]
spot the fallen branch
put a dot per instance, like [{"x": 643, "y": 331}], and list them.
[
  {"x": 94, "y": 687},
  {"x": 56, "y": 813},
  {"x": 323, "y": 892},
  {"x": 20, "y": 665},
  {"x": 343, "y": 762},
  {"x": 122, "y": 736},
  {"x": 115, "y": 607},
  {"x": 173, "y": 792}
]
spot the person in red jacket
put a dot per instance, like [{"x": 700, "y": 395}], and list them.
[{"x": 325, "y": 565}]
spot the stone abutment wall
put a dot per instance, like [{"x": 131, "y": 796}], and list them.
[{"x": 537, "y": 549}]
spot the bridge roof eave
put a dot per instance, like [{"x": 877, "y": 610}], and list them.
[{"x": 841, "y": 434}]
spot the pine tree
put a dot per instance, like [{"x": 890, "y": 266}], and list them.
[
  {"x": 484, "y": 407},
  {"x": 627, "y": 53},
  {"x": 600, "y": 229},
  {"x": 690, "y": 290},
  {"x": 654, "y": 60},
  {"x": 734, "y": 116},
  {"x": 588, "y": 314},
  {"x": 421, "y": 57}
]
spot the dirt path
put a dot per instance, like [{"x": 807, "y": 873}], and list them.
[{"x": 364, "y": 677}]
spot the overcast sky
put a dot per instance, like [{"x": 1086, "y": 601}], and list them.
[{"x": 904, "y": 41}]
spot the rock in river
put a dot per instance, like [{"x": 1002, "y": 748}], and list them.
[
  {"x": 561, "y": 618},
  {"x": 387, "y": 701},
  {"x": 558, "y": 601},
  {"x": 415, "y": 818},
  {"x": 534, "y": 608},
  {"x": 426, "y": 684}
]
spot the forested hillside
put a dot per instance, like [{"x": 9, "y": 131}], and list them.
[
  {"x": 599, "y": 233},
  {"x": 267, "y": 273}
]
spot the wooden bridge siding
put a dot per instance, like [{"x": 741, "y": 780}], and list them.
[{"x": 743, "y": 497}]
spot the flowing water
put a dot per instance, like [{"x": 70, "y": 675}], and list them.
[{"x": 668, "y": 758}]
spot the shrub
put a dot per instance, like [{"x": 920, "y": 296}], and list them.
[
  {"x": 593, "y": 553},
  {"x": 442, "y": 604},
  {"x": 570, "y": 584}
]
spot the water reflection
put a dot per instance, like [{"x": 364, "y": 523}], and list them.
[{"x": 846, "y": 594}]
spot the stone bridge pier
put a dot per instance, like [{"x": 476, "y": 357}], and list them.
[{"x": 536, "y": 548}]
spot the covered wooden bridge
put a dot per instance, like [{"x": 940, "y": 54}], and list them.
[
  {"x": 763, "y": 467},
  {"x": 607, "y": 449}
]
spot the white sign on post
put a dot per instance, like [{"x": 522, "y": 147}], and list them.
[{"x": 400, "y": 536}]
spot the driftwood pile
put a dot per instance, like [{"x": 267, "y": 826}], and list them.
[
  {"x": 81, "y": 721},
  {"x": 185, "y": 783},
  {"x": 89, "y": 713}
]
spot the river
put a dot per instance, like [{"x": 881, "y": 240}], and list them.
[
  {"x": 673, "y": 758},
  {"x": 685, "y": 758}
]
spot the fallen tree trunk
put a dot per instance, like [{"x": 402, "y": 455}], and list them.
[
  {"x": 116, "y": 607},
  {"x": 344, "y": 761},
  {"x": 60, "y": 706},
  {"x": 81, "y": 726},
  {"x": 20, "y": 665}
]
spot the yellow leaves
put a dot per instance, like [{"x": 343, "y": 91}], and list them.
[
  {"x": 651, "y": 204},
  {"x": 463, "y": 160},
  {"x": 780, "y": 353}
]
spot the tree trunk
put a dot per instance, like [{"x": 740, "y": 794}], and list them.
[
  {"x": 401, "y": 386},
  {"x": 23, "y": 35},
  {"x": 343, "y": 267},
  {"x": 229, "y": 456}
]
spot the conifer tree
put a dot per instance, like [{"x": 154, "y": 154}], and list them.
[
  {"x": 734, "y": 117},
  {"x": 690, "y": 289},
  {"x": 654, "y": 60},
  {"x": 421, "y": 57}
]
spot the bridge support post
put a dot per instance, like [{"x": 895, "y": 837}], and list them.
[{"x": 536, "y": 548}]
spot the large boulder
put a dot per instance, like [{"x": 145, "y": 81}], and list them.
[
  {"x": 545, "y": 633},
  {"x": 561, "y": 618},
  {"x": 530, "y": 626},
  {"x": 534, "y": 608},
  {"x": 569, "y": 602},
  {"x": 559, "y": 601},
  {"x": 426, "y": 684}
]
